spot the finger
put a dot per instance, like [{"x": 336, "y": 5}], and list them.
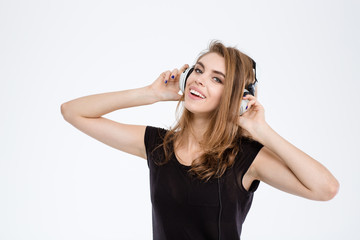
[
  {"x": 250, "y": 104},
  {"x": 183, "y": 68},
  {"x": 167, "y": 76},
  {"x": 249, "y": 97},
  {"x": 162, "y": 76},
  {"x": 174, "y": 73}
]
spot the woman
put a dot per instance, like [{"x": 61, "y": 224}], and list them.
[{"x": 204, "y": 171}]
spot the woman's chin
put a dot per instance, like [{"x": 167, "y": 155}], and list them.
[{"x": 196, "y": 111}]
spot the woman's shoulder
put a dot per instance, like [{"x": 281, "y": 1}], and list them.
[
  {"x": 245, "y": 141},
  {"x": 155, "y": 131},
  {"x": 155, "y": 134},
  {"x": 248, "y": 148}
]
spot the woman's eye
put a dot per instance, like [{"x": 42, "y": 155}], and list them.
[
  {"x": 217, "y": 80},
  {"x": 198, "y": 70}
]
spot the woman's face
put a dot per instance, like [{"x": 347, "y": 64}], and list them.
[{"x": 205, "y": 84}]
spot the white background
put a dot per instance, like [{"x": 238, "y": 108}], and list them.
[{"x": 58, "y": 183}]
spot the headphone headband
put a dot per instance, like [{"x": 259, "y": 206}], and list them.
[{"x": 254, "y": 67}]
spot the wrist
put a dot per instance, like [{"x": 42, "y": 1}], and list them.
[
  {"x": 261, "y": 132},
  {"x": 151, "y": 94}
]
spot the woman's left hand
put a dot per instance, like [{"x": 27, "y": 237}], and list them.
[{"x": 253, "y": 120}]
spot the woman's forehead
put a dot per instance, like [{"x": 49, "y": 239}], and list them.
[{"x": 213, "y": 61}]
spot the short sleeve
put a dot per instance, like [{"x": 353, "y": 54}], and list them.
[
  {"x": 152, "y": 139},
  {"x": 248, "y": 152}
]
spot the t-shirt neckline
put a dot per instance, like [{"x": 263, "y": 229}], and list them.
[{"x": 179, "y": 163}]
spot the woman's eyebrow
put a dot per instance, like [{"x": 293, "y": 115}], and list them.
[{"x": 203, "y": 66}]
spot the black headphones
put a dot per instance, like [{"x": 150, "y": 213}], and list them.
[{"x": 250, "y": 89}]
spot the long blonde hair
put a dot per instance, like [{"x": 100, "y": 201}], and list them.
[{"x": 223, "y": 135}]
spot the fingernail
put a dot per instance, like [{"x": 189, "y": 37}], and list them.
[
  {"x": 165, "y": 81},
  {"x": 246, "y": 107},
  {"x": 172, "y": 76}
]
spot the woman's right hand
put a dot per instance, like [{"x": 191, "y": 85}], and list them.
[{"x": 166, "y": 86}]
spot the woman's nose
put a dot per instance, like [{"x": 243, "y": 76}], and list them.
[{"x": 200, "y": 81}]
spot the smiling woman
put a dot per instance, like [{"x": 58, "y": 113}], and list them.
[
  {"x": 200, "y": 77},
  {"x": 204, "y": 171},
  {"x": 220, "y": 75}
]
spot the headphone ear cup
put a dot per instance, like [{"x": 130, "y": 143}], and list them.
[
  {"x": 251, "y": 89},
  {"x": 244, "y": 103},
  {"x": 183, "y": 77}
]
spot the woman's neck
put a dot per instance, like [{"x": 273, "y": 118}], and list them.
[{"x": 195, "y": 133}]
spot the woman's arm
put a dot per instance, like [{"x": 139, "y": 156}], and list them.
[
  {"x": 97, "y": 105},
  {"x": 86, "y": 113},
  {"x": 284, "y": 166}
]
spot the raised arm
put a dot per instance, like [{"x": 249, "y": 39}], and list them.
[
  {"x": 86, "y": 113},
  {"x": 282, "y": 165}
]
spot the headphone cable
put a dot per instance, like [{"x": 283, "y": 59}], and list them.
[{"x": 220, "y": 205}]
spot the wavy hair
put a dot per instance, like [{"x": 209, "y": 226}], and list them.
[{"x": 222, "y": 138}]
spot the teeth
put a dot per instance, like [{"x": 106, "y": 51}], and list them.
[{"x": 197, "y": 93}]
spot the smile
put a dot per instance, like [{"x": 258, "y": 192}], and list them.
[{"x": 196, "y": 93}]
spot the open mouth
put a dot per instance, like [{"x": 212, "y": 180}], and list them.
[{"x": 196, "y": 94}]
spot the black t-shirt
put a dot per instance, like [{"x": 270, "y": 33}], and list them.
[{"x": 183, "y": 207}]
